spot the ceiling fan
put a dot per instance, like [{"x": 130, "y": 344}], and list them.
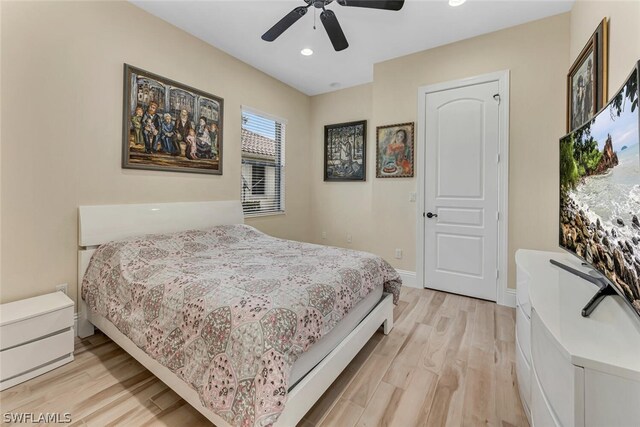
[{"x": 328, "y": 18}]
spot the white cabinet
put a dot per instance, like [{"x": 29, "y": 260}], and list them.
[
  {"x": 36, "y": 336},
  {"x": 610, "y": 400},
  {"x": 523, "y": 373},
  {"x": 541, "y": 412},
  {"x": 572, "y": 370},
  {"x": 561, "y": 381},
  {"x": 523, "y": 341}
]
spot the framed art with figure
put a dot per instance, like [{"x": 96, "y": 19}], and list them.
[
  {"x": 587, "y": 79},
  {"x": 394, "y": 149},
  {"x": 345, "y": 150},
  {"x": 168, "y": 126}
]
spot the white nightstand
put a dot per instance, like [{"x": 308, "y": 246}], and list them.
[{"x": 36, "y": 336}]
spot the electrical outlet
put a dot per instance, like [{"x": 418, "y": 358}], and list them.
[
  {"x": 349, "y": 238},
  {"x": 64, "y": 288},
  {"x": 398, "y": 253},
  {"x": 324, "y": 235},
  {"x": 412, "y": 197}
]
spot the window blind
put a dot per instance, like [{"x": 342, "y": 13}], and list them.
[{"x": 263, "y": 170}]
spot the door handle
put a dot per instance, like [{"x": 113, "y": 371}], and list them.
[{"x": 431, "y": 215}]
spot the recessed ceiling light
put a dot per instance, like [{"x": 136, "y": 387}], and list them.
[
  {"x": 455, "y": 3},
  {"x": 306, "y": 51}
]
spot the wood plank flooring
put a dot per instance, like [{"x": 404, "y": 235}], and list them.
[{"x": 449, "y": 361}]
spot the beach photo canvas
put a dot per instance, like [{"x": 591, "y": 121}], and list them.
[{"x": 169, "y": 126}]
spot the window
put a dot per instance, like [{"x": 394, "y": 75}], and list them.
[
  {"x": 262, "y": 163},
  {"x": 257, "y": 180}
]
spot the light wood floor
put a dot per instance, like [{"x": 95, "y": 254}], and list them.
[{"x": 448, "y": 361}]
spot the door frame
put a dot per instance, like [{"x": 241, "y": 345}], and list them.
[{"x": 505, "y": 296}]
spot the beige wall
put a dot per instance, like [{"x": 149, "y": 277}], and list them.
[
  {"x": 61, "y": 111},
  {"x": 61, "y": 77},
  {"x": 624, "y": 34},
  {"x": 339, "y": 208},
  {"x": 378, "y": 212}
]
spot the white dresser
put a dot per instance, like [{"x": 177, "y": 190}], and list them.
[
  {"x": 572, "y": 370},
  {"x": 36, "y": 336}
]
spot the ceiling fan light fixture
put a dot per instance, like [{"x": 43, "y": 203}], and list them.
[
  {"x": 306, "y": 51},
  {"x": 328, "y": 19},
  {"x": 455, "y": 3}
]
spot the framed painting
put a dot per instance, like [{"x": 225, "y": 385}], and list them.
[
  {"x": 168, "y": 126},
  {"x": 394, "y": 151},
  {"x": 587, "y": 79},
  {"x": 345, "y": 151}
]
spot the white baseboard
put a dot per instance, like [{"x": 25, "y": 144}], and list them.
[
  {"x": 409, "y": 278},
  {"x": 508, "y": 298}
]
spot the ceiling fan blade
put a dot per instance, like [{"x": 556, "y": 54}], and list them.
[
  {"x": 374, "y": 4},
  {"x": 282, "y": 25},
  {"x": 334, "y": 31}
]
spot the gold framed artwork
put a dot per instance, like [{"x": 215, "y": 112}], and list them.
[
  {"x": 587, "y": 79},
  {"x": 168, "y": 126},
  {"x": 394, "y": 151}
]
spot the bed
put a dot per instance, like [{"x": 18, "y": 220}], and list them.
[{"x": 238, "y": 323}]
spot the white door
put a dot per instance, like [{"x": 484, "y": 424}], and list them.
[{"x": 461, "y": 190}]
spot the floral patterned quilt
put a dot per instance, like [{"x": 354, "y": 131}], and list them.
[{"x": 230, "y": 309}]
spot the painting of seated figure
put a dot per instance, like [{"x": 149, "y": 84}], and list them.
[{"x": 169, "y": 126}]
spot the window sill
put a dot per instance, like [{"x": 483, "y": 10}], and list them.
[{"x": 263, "y": 214}]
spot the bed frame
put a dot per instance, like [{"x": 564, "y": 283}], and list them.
[{"x": 101, "y": 224}]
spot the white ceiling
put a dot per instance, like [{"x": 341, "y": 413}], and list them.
[{"x": 374, "y": 35}]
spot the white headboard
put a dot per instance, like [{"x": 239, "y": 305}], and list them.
[{"x": 103, "y": 223}]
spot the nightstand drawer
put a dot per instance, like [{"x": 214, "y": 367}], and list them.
[
  {"x": 35, "y": 327},
  {"x": 18, "y": 360},
  {"x": 34, "y": 318}
]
